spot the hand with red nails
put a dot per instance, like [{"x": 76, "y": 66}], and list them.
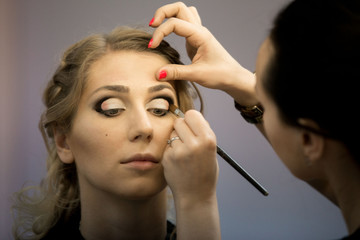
[{"x": 212, "y": 66}]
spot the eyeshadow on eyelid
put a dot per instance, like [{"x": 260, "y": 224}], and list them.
[
  {"x": 160, "y": 101},
  {"x": 111, "y": 103}
]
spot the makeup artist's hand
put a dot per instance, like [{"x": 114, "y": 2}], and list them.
[
  {"x": 212, "y": 66},
  {"x": 191, "y": 171}
]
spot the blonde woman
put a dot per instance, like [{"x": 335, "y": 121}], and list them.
[{"x": 106, "y": 127}]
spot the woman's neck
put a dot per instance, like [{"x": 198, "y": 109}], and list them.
[{"x": 109, "y": 218}]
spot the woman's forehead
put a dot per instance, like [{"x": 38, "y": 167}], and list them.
[{"x": 129, "y": 68}]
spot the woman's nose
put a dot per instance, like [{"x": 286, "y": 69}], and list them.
[{"x": 140, "y": 126}]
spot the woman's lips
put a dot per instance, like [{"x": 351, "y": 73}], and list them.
[{"x": 141, "y": 161}]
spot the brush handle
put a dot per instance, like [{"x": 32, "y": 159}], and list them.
[{"x": 240, "y": 170}]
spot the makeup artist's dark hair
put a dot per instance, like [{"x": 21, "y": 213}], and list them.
[
  {"x": 58, "y": 204},
  {"x": 314, "y": 70}
]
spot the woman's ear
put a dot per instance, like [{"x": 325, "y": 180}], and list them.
[
  {"x": 312, "y": 143},
  {"x": 62, "y": 147}
]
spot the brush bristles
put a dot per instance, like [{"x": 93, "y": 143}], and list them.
[{"x": 175, "y": 110}]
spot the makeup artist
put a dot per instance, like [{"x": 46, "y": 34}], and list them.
[{"x": 303, "y": 97}]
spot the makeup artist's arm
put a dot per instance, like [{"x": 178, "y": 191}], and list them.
[
  {"x": 191, "y": 171},
  {"x": 212, "y": 66}
]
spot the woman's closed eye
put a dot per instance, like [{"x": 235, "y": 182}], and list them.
[
  {"x": 159, "y": 106},
  {"x": 110, "y": 107}
]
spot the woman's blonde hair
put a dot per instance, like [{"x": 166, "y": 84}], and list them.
[{"x": 56, "y": 201}]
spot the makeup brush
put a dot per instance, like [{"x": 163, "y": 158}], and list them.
[{"x": 175, "y": 110}]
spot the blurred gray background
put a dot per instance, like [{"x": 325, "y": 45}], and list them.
[{"x": 33, "y": 35}]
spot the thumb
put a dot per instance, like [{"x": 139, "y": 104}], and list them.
[{"x": 176, "y": 72}]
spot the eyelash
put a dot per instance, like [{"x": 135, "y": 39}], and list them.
[
  {"x": 163, "y": 112},
  {"x": 115, "y": 112}
]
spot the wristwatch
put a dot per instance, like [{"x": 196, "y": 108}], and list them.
[{"x": 251, "y": 114}]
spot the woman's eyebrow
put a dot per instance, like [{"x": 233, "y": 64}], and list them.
[
  {"x": 125, "y": 89},
  {"x": 115, "y": 88},
  {"x": 161, "y": 87}
]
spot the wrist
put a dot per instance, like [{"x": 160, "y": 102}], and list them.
[
  {"x": 241, "y": 87},
  {"x": 196, "y": 202},
  {"x": 198, "y": 220}
]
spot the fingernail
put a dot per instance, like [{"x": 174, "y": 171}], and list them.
[
  {"x": 151, "y": 21},
  {"x": 150, "y": 43},
  {"x": 162, "y": 74}
]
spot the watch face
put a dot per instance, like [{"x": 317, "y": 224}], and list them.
[
  {"x": 254, "y": 111},
  {"x": 254, "y": 115},
  {"x": 257, "y": 111},
  {"x": 251, "y": 114}
]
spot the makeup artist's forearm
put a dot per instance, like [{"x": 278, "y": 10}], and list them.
[
  {"x": 260, "y": 127},
  {"x": 198, "y": 220},
  {"x": 240, "y": 85},
  {"x": 242, "y": 89}
]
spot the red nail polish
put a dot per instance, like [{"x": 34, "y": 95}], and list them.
[
  {"x": 150, "y": 43},
  {"x": 151, "y": 21},
  {"x": 162, "y": 74}
]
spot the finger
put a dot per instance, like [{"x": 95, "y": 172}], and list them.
[
  {"x": 177, "y": 10},
  {"x": 177, "y": 72},
  {"x": 195, "y": 14},
  {"x": 173, "y": 134},
  {"x": 193, "y": 73},
  {"x": 195, "y": 141},
  {"x": 197, "y": 123},
  {"x": 173, "y": 138},
  {"x": 193, "y": 128},
  {"x": 183, "y": 131},
  {"x": 196, "y": 35}
]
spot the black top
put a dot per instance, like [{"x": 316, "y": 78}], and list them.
[
  {"x": 71, "y": 231},
  {"x": 354, "y": 236}
]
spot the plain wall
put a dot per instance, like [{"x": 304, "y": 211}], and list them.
[{"x": 34, "y": 33}]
